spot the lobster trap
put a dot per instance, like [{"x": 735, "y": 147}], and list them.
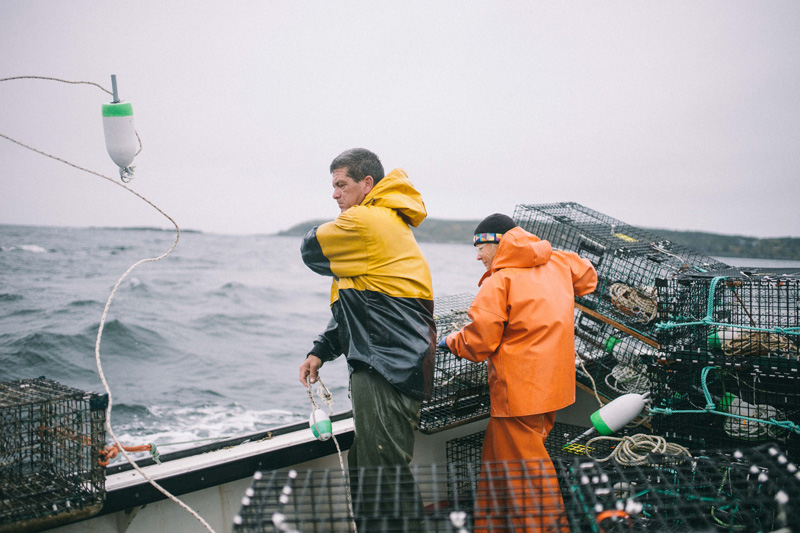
[
  {"x": 608, "y": 360},
  {"x": 738, "y": 314},
  {"x": 628, "y": 259},
  {"x": 431, "y": 498},
  {"x": 753, "y": 490},
  {"x": 460, "y": 387},
  {"x": 50, "y": 436},
  {"x": 709, "y": 406}
]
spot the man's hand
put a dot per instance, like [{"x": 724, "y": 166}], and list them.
[{"x": 309, "y": 370}]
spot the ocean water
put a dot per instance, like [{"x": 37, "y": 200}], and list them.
[{"x": 204, "y": 344}]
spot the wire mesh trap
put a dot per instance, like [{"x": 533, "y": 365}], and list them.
[
  {"x": 460, "y": 388},
  {"x": 753, "y": 490},
  {"x": 725, "y": 406},
  {"x": 628, "y": 259},
  {"x": 50, "y": 436},
  {"x": 732, "y": 313},
  {"x": 608, "y": 360},
  {"x": 508, "y": 497}
]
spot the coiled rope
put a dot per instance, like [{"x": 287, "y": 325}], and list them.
[
  {"x": 633, "y": 302},
  {"x": 633, "y": 450},
  {"x": 626, "y": 379},
  {"x": 120, "y": 447}
]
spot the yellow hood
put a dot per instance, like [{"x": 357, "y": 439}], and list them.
[{"x": 395, "y": 191}]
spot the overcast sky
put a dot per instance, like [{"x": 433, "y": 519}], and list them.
[{"x": 670, "y": 114}]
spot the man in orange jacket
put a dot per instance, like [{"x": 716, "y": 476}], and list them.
[{"x": 523, "y": 324}]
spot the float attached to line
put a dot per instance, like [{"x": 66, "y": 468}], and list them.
[{"x": 121, "y": 141}]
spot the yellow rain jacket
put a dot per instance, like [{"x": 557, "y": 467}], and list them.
[
  {"x": 382, "y": 294},
  {"x": 523, "y": 323}
]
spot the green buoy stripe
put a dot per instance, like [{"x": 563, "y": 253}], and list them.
[{"x": 122, "y": 109}]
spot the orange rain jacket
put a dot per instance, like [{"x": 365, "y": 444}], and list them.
[{"x": 523, "y": 323}]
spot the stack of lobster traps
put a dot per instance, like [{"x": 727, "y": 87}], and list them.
[
  {"x": 731, "y": 363},
  {"x": 716, "y": 348},
  {"x": 753, "y": 490}
]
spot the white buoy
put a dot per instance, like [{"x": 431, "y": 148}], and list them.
[
  {"x": 121, "y": 142},
  {"x": 618, "y": 413},
  {"x": 614, "y": 415},
  {"x": 320, "y": 424}
]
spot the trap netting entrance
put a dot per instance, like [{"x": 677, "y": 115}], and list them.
[
  {"x": 460, "y": 387},
  {"x": 395, "y": 499},
  {"x": 50, "y": 436},
  {"x": 628, "y": 259},
  {"x": 732, "y": 313}
]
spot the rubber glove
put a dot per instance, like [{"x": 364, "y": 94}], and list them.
[{"x": 443, "y": 343}]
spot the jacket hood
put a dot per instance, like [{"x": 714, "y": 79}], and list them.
[
  {"x": 395, "y": 191},
  {"x": 519, "y": 249}
]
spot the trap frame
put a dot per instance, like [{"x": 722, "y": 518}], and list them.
[
  {"x": 50, "y": 436},
  {"x": 460, "y": 388},
  {"x": 628, "y": 259}
]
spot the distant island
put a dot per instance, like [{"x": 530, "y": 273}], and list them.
[{"x": 711, "y": 244}]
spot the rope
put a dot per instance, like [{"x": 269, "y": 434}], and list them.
[
  {"x": 633, "y": 302},
  {"x": 633, "y": 450},
  {"x": 326, "y": 396},
  {"x": 120, "y": 447},
  {"x": 110, "y": 452},
  {"x": 125, "y": 174},
  {"x": 594, "y": 384},
  {"x": 628, "y": 379},
  {"x": 755, "y": 343}
]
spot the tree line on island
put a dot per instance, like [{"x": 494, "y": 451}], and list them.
[{"x": 711, "y": 244}]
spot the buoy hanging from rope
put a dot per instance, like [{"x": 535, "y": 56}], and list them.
[
  {"x": 121, "y": 142},
  {"x": 320, "y": 424}
]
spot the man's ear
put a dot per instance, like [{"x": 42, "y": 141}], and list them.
[{"x": 369, "y": 183}]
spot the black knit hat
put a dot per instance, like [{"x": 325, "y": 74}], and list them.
[{"x": 492, "y": 228}]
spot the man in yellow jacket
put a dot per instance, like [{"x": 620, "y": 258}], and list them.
[
  {"x": 381, "y": 305},
  {"x": 523, "y": 324}
]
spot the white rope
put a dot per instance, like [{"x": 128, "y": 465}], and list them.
[
  {"x": 633, "y": 450},
  {"x": 634, "y": 302},
  {"x": 755, "y": 343},
  {"x": 626, "y": 379},
  {"x": 327, "y": 397},
  {"x": 108, "y": 304}
]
